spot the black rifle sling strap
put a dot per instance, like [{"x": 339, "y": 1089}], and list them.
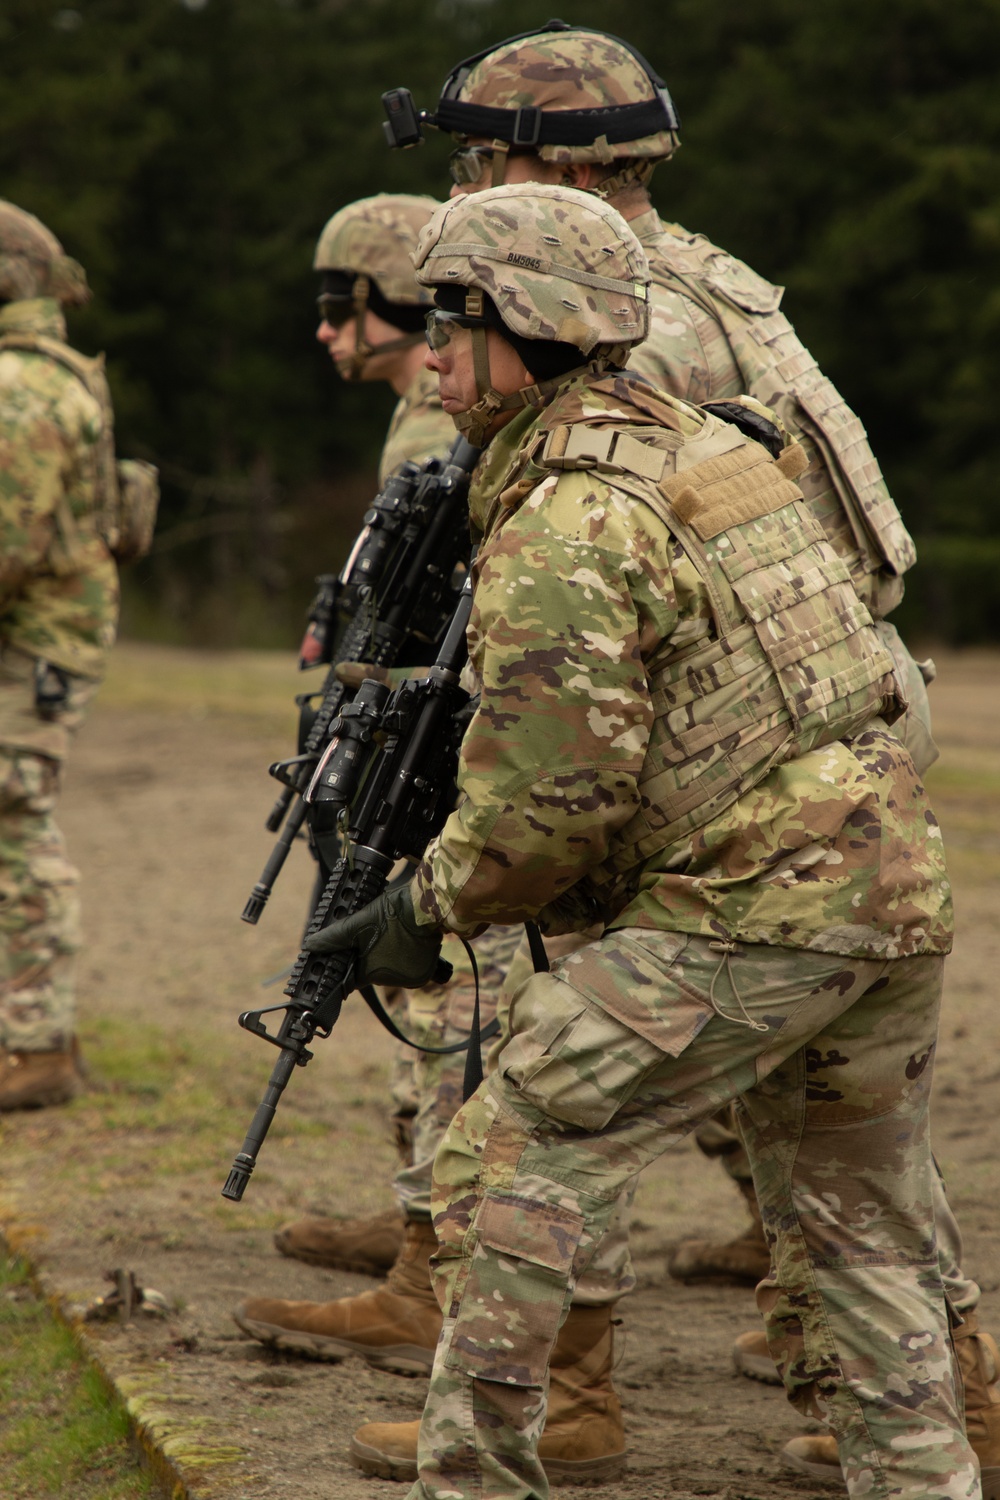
[
  {"x": 473, "y": 1043},
  {"x": 539, "y": 957}
]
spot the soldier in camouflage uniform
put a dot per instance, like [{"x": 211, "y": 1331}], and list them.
[
  {"x": 692, "y": 349},
  {"x": 373, "y": 312},
  {"x": 371, "y": 321},
  {"x": 683, "y": 733},
  {"x": 61, "y": 499}
]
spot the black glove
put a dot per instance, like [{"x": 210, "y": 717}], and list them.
[{"x": 391, "y": 947}]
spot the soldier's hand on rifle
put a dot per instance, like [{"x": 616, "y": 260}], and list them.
[
  {"x": 392, "y": 948},
  {"x": 353, "y": 673}
]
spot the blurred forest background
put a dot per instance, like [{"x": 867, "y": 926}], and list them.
[{"x": 188, "y": 152}]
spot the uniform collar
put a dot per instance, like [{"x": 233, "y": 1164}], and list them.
[
  {"x": 41, "y": 315},
  {"x": 646, "y": 226}
]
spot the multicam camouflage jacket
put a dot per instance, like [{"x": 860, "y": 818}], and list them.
[
  {"x": 717, "y": 331},
  {"x": 420, "y": 428},
  {"x": 596, "y": 606},
  {"x": 58, "y": 582}
]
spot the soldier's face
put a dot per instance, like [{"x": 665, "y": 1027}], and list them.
[
  {"x": 340, "y": 342},
  {"x": 454, "y": 367}
]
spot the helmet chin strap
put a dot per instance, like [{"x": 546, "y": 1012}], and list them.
[
  {"x": 353, "y": 365},
  {"x": 501, "y": 150},
  {"x": 475, "y": 422},
  {"x": 639, "y": 174}
]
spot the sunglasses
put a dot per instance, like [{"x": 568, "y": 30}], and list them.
[
  {"x": 441, "y": 326},
  {"x": 334, "y": 310}
]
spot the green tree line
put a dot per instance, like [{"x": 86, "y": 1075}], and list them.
[{"x": 189, "y": 152}]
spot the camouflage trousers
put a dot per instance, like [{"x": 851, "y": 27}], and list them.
[
  {"x": 440, "y": 1015},
  {"x": 612, "y": 1058},
  {"x": 39, "y": 908}
]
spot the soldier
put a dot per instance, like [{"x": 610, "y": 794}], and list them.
[
  {"x": 373, "y": 313},
  {"x": 67, "y": 513},
  {"x": 683, "y": 732}
]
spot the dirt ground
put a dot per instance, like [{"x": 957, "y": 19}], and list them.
[{"x": 163, "y": 810}]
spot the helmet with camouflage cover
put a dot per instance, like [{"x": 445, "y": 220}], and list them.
[
  {"x": 557, "y": 272},
  {"x": 33, "y": 264},
  {"x": 364, "y": 255},
  {"x": 569, "y": 94}
]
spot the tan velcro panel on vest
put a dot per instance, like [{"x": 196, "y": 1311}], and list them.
[
  {"x": 605, "y": 449},
  {"x": 727, "y": 490}
]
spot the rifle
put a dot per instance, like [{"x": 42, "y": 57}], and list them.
[
  {"x": 389, "y": 771},
  {"x": 393, "y": 598}
]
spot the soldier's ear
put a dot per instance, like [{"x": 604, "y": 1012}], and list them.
[{"x": 579, "y": 174}]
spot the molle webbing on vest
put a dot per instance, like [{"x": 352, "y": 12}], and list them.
[
  {"x": 90, "y": 373},
  {"x": 795, "y": 663},
  {"x": 849, "y": 493},
  {"x": 737, "y": 486}
]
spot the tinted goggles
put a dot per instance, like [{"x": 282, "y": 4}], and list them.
[{"x": 334, "y": 310}]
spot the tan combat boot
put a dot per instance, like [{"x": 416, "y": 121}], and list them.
[
  {"x": 34, "y": 1080},
  {"x": 746, "y": 1259},
  {"x": 395, "y": 1327},
  {"x": 584, "y": 1437},
  {"x": 752, "y": 1358},
  {"x": 368, "y": 1246},
  {"x": 979, "y": 1366}
]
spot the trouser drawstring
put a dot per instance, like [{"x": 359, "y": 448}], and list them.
[{"x": 727, "y": 947}]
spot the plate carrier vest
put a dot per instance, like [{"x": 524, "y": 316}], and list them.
[{"x": 794, "y": 662}]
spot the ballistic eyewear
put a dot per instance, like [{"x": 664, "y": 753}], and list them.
[
  {"x": 468, "y": 163},
  {"x": 441, "y": 327}
]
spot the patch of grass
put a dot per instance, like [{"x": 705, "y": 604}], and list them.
[
  {"x": 60, "y": 1432},
  {"x": 164, "y": 1105}
]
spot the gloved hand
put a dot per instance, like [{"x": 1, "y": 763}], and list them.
[{"x": 391, "y": 947}]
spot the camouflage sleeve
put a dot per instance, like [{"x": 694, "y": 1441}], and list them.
[
  {"x": 563, "y": 614},
  {"x": 58, "y": 584},
  {"x": 687, "y": 352}
]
